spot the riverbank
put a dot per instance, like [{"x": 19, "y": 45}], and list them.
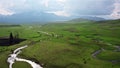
[{"x": 13, "y": 57}]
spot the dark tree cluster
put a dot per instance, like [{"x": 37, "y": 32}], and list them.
[{"x": 13, "y": 39}]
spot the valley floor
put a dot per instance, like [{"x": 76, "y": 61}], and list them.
[{"x": 84, "y": 44}]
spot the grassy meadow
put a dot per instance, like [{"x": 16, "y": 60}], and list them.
[{"x": 66, "y": 45}]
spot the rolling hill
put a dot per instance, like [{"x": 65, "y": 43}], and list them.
[{"x": 67, "y": 45}]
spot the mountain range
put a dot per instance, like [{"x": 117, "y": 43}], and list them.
[{"x": 39, "y": 17}]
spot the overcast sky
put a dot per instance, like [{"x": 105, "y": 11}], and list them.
[{"x": 67, "y": 8}]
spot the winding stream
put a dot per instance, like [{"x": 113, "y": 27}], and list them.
[{"x": 13, "y": 57}]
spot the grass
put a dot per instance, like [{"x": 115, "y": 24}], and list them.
[
  {"x": 72, "y": 48},
  {"x": 21, "y": 65}
]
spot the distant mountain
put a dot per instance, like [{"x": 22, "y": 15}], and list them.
[
  {"x": 93, "y": 18},
  {"x": 111, "y": 21},
  {"x": 79, "y": 20},
  {"x": 30, "y": 17},
  {"x": 40, "y": 17}
]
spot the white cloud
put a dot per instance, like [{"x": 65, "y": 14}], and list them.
[
  {"x": 116, "y": 12},
  {"x": 60, "y": 13},
  {"x": 10, "y": 7},
  {"x": 5, "y": 12},
  {"x": 45, "y": 3},
  {"x": 58, "y": 7},
  {"x": 4, "y": 8},
  {"x": 61, "y": 1},
  {"x": 61, "y": 7}
]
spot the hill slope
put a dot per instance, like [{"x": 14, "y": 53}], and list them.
[{"x": 68, "y": 45}]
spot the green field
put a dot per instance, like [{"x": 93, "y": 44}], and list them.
[{"x": 66, "y": 45}]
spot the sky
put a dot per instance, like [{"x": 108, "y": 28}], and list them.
[{"x": 65, "y": 8}]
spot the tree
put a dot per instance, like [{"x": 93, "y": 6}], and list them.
[
  {"x": 16, "y": 35},
  {"x": 11, "y": 38}
]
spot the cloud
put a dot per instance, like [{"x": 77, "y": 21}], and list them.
[
  {"x": 60, "y": 13},
  {"x": 62, "y": 1},
  {"x": 5, "y": 12},
  {"x": 81, "y": 7},
  {"x": 58, "y": 7},
  {"x": 4, "y": 8},
  {"x": 45, "y": 3},
  {"x": 10, "y": 7},
  {"x": 116, "y": 12},
  {"x": 90, "y": 7},
  {"x": 62, "y": 7}
]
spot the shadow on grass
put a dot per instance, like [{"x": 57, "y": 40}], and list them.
[{"x": 7, "y": 42}]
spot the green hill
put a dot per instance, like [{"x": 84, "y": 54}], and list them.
[{"x": 67, "y": 45}]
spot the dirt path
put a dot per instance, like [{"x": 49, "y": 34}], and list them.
[
  {"x": 117, "y": 48},
  {"x": 97, "y": 52}
]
